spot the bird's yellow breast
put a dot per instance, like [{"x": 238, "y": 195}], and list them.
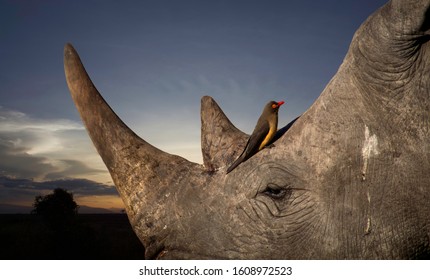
[{"x": 269, "y": 137}]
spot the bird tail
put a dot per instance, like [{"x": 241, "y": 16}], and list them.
[{"x": 238, "y": 161}]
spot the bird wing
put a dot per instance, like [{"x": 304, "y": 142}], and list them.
[{"x": 257, "y": 137}]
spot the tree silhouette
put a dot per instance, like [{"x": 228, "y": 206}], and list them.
[{"x": 58, "y": 208}]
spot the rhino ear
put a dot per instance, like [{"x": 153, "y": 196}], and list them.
[{"x": 222, "y": 142}]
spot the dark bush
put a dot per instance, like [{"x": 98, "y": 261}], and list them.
[{"x": 59, "y": 208}]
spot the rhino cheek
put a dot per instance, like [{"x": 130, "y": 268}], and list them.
[{"x": 275, "y": 208}]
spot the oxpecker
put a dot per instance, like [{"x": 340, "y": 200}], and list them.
[{"x": 263, "y": 133}]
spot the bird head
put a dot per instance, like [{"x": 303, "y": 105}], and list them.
[{"x": 274, "y": 106}]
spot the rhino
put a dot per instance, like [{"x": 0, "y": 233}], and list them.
[{"x": 348, "y": 179}]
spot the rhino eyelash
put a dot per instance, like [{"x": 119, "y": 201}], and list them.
[{"x": 275, "y": 192}]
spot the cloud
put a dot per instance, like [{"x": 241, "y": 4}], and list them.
[
  {"x": 15, "y": 161},
  {"x": 38, "y": 155},
  {"x": 72, "y": 168},
  {"x": 82, "y": 187},
  {"x": 46, "y": 149},
  {"x": 15, "y": 191},
  {"x": 43, "y": 135},
  {"x": 17, "y": 121}
]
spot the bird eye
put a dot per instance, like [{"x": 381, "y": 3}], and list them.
[{"x": 274, "y": 106}]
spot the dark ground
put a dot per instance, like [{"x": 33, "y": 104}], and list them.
[{"x": 89, "y": 236}]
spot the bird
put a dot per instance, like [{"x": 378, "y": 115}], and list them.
[{"x": 263, "y": 133}]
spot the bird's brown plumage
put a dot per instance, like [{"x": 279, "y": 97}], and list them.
[{"x": 263, "y": 133}]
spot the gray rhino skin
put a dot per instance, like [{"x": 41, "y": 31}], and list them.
[{"x": 350, "y": 179}]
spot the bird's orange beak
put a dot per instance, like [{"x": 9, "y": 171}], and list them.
[{"x": 280, "y": 103}]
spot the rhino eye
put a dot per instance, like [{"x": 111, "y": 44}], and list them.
[{"x": 275, "y": 191}]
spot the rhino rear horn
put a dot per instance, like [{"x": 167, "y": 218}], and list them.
[{"x": 221, "y": 141}]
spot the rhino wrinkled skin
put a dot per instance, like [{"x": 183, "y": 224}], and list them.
[{"x": 349, "y": 179}]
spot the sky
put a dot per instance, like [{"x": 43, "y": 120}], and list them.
[{"x": 153, "y": 60}]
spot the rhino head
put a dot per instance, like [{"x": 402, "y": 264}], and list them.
[{"x": 349, "y": 179}]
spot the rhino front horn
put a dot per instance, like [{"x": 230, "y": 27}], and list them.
[{"x": 141, "y": 172}]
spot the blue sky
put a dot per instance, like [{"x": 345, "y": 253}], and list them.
[{"x": 153, "y": 61}]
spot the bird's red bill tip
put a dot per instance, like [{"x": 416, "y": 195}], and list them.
[{"x": 280, "y": 103}]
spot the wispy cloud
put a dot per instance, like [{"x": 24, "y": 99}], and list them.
[
  {"x": 18, "y": 121},
  {"x": 36, "y": 136},
  {"x": 46, "y": 149}
]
